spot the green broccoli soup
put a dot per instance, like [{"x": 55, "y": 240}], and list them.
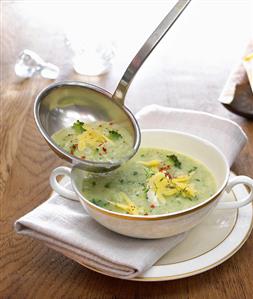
[
  {"x": 96, "y": 141},
  {"x": 154, "y": 182}
]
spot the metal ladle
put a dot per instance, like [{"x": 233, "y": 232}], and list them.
[{"x": 62, "y": 103}]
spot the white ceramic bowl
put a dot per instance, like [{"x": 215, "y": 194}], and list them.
[{"x": 160, "y": 226}]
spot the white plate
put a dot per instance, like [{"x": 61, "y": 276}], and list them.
[{"x": 214, "y": 241}]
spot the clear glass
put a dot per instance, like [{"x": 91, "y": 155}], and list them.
[
  {"x": 29, "y": 63},
  {"x": 92, "y": 56}
]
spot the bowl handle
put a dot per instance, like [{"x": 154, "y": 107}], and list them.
[
  {"x": 58, "y": 188},
  {"x": 240, "y": 203}
]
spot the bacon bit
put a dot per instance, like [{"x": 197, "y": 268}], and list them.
[
  {"x": 104, "y": 149},
  {"x": 100, "y": 144},
  {"x": 168, "y": 175},
  {"x": 152, "y": 206},
  {"x": 100, "y": 154},
  {"x": 164, "y": 168},
  {"x": 83, "y": 157},
  {"x": 100, "y": 126},
  {"x": 111, "y": 123},
  {"x": 73, "y": 148}
]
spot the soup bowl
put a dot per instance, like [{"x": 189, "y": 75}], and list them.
[{"x": 164, "y": 225}]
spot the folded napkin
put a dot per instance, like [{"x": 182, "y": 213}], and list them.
[
  {"x": 239, "y": 76},
  {"x": 224, "y": 133},
  {"x": 65, "y": 226}
]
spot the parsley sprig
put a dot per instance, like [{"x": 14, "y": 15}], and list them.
[
  {"x": 174, "y": 160},
  {"x": 78, "y": 127},
  {"x": 114, "y": 135}
]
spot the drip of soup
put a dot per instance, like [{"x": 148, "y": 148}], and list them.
[
  {"x": 154, "y": 182},
  {"x": 96, "y": 141}
]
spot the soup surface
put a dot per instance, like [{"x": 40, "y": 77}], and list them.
[
  {"x": 154, "y": 182},
  {"x": 96, "y": 141}
]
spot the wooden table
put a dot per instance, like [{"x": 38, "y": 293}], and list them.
[{"x": 187, "y": 70}]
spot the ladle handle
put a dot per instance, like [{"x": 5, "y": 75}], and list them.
[{"x": 146, "y": 49}]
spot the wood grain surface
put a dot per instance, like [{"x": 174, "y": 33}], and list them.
[{"x": 187, "y": 70}]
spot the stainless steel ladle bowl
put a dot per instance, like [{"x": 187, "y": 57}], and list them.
[{"x": 62, "y": 103}]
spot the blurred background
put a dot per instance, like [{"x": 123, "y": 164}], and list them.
[{"x": 199, "y": 51}]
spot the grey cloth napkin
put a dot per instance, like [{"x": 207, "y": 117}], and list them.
[
  {"x": 224, "y": 133},
  {"x": 65, "y": 226}
]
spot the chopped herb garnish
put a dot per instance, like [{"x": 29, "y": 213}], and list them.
[
  {"x": 135, "y": 173},
  {"x": 192, "y": 169},
  {"x": 189, "y": 198},
  {"x": 114, "y": 135},
  {"x": 198, "y": 180},
  {"x": 98, "y": 202},
  {"x": 142, "y": 155},
  {"x": 148, "y": 172},
  {"x": 97, "y": 149},
  {"x": 94, "y": 183},
  {"x": 121, "y": 181},
  {"x": 174, "y": 160},
  {"x": 146, "y": 189},
  {"x": 78, "y": 127},
  {"x": 107, "y": 185}
]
